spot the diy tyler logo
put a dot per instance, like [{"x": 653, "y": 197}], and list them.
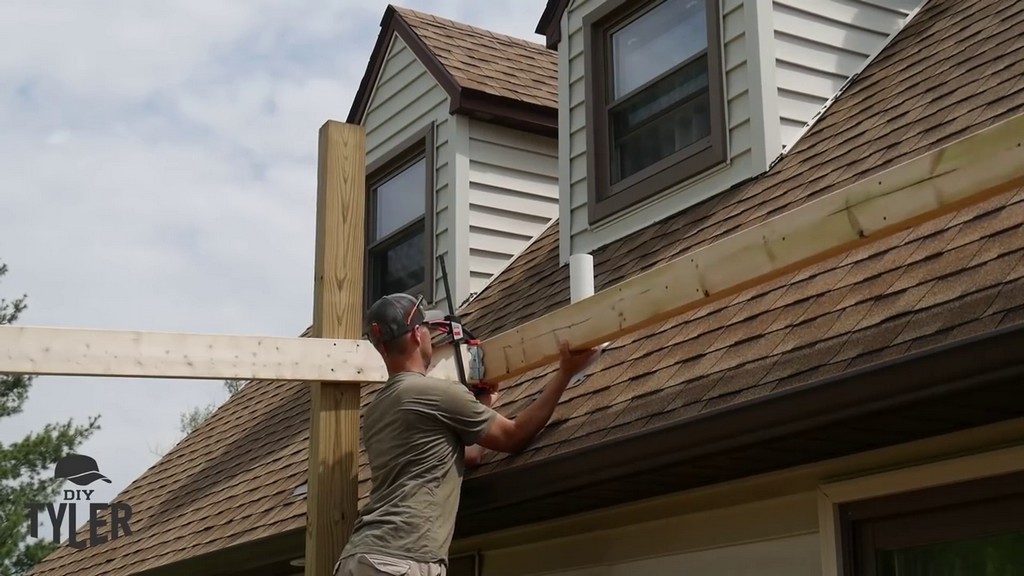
[{"x": 82, "y": 471}]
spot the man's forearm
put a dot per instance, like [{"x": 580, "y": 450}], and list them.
[{"x": 534, "y": 417}]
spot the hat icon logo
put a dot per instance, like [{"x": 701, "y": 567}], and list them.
[{"x": 80, "y": 469}]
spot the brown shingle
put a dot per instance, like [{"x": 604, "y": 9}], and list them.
[
  {"x": 742, "y": 395},
  {"x": 743, "y": 377},
  {"x": 1010, "y": 296},
  {"x": 803, "y": 359},
  {"x": 494, "y": 63}
]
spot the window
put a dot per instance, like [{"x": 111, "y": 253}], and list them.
[
  {"x": 399, "y": 223},
  {"x": 972, "y": 529},
  {"x": 655, "y": 98}
]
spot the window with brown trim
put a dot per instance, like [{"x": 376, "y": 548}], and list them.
[
  {"x": 399, "y": 220},
  {"x": 970, "y": 529},
  {"x": 655, "y": 98}
]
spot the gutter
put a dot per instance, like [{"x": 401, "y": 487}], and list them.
[{"x": 958, "y": 366}]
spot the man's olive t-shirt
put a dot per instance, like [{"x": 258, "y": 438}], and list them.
[{"x": 415, "y": 432}]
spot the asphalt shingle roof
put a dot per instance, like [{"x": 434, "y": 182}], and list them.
[{"x": 494, "y": 63}]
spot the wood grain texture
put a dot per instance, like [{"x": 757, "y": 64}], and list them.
[
  {"x": 134, "y": 354},
  {"x": 337, "y": 313},
  {"x": 965, "y": 172}
]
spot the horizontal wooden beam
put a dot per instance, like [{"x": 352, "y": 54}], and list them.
[
  {"x": 75, "y": 352},
  {"x": 135, "y": 354},
  {"x": 949, "y": 178}
]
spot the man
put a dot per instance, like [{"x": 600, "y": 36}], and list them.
[{"x": 415, "y": 433}]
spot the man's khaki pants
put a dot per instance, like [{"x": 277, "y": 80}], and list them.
[{"x": 377, "y": 565}]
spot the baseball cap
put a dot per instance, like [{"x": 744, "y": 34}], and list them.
[
  {"x": 78, "y": 468},
  {"x": 396, "y": 314}
]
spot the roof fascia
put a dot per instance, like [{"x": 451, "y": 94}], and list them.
[
  {"x": 550, "y": 22},
  {"x": 542, "y": 120},
  {"x": 954, "y": 367}
]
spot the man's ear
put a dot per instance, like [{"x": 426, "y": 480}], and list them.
[{"x": 417, "y": 335}]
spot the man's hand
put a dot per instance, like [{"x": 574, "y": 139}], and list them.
[
  {"x": 571, "y": 362},
  {"x": 489, "y": 387},
  {"x": 488, "y": 399}
]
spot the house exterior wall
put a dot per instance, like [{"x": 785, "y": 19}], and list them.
[
  {"x": 820, "y": 44},
  {"x": 406, "y": 98},
  {"x": 513, "y": 195},
  {"x": 771, "y": 537},
  {"x": 778, "y": 523}
]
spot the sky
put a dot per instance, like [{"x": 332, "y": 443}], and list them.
[{"x": 158, "y": 172}]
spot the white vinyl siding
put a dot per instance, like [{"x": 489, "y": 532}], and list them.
[
  {"x": 820, "y": 45},
  {"x": 513, "y": 195},
  {"x": 583, "y": 237},
  {"x": 405, "y": 99}
]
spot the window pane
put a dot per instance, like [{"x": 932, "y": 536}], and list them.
[
  {"x": 1001, "y": 555},
  {"x": 656, "y": 42},
  {"x": 666, "y": 118},
  {"x": 402, "y": 266},
  {"x": 401, "y": 199}
]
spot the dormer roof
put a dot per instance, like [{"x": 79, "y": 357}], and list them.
[{"x": 487, "y": 75}]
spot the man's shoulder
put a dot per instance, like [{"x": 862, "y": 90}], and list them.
[
  {"x": 416, "y": 377},
  {"x": 421, "y": 382}
]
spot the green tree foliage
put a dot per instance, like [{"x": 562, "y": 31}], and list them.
[
  {"x": 26, "y": 466},
  {"x": 195, "y": 417}
]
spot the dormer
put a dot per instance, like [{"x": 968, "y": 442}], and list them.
[
  {"x": 668, "y": 103},
  {"x": 461, "y": 152}
]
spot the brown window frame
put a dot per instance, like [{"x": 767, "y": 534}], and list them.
[
  {"x": 959, "y": 511},
  {"x": 418, "y": 146},
  {"x": 605, "y": 199}
]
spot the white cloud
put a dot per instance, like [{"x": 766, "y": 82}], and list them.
[{"x": 158, "y": 172}]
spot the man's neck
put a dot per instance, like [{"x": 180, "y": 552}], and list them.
[{"x": 410, "y": 366}]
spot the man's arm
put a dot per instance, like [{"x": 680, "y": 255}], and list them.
[
  {"x": 513, "y": 435},
  {"x": 475, "y": 452}
]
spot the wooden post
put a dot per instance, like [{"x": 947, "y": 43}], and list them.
[{"x": 337, "y": 313}]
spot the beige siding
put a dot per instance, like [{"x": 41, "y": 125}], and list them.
[
  {"x": 770, "y": 537},
  {"x": 792, "y": 556},
  {"x": 743, "y": 136},
  {"x": 820, "y": 44},
  {"x": 513, "y": 195},
  {"x": 406, "y": 99}
]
